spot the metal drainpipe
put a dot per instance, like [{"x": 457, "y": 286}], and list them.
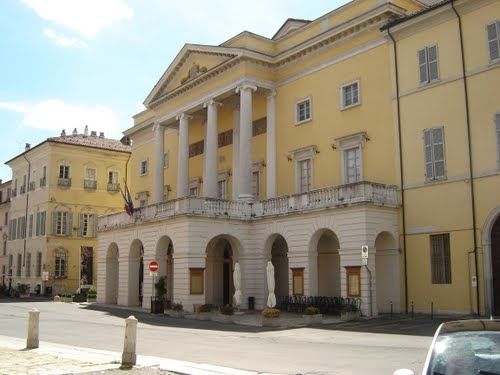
[
  {"x": 401, "y": 181},
  {"x": 26, "y": 212},
  {"x": 469, "y": 145}
]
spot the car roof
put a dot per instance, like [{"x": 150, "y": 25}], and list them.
[{"x": 470, "y": 325}]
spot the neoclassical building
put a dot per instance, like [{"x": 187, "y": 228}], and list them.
[{"x": 289, "y": 149}]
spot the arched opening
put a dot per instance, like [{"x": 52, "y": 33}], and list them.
[
  {"x": 135, "y": 273},
  {"x": 165, "y": 258},
  {"x": 112, "y": 274},
  {"x": 387, "y": 267},
  {"x": 495, "y": 266},
  {"x": 279, "y": 259},
  {"x": 221, "y": 257},
  {"x": 328, "y": 264}
]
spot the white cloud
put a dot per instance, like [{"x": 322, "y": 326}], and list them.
[
  {"x": 83, "y": 17},
  {"x": 55, "y": 115},
  {"x": 62, "y": 40}
]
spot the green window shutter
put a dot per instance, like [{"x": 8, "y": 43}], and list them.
[
  {"x": 94, "y": 225},
  {"x": 37, "y": 230},
  {"x": 69, "y": 223},
  {"x": 493, "y": 40},
  {"x": 422, "y": 65},
  {"x": 429, "y": 170},
  {"x": 432, "y": 57},
  {"x": 80, "y": 225},
  {"x": 54, "y": 222}
]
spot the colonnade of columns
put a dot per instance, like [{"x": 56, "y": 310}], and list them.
[{"x": 242, "y": 149}]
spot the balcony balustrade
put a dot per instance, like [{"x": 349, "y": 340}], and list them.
[
  {"x": 32, "y": 186},
  {"x": 113, "y": 186},
  {"x": 43, "y": 181},
  {"x": 90, "y": 184},
  {"x": 329, "y": 197},
  {"x": 64, "y": 182},
  {"x": 22, "y": 189}
]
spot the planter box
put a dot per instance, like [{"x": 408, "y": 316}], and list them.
[
  {"x": 350, "y": 315},
  {"x": 270, "y": 322},
  {"x": 176, "y": 314},
  {"x": 221, "y": 318},
  {"x": 313, "y": 319},
  {"x": 91, "y": 300},
  {"x": 66, "y": 299},
  {"x": 24, "y": 295},
  {"x": 157, "y": 305}
]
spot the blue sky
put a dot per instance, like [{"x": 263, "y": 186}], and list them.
[{"x": 71, "y": 63}]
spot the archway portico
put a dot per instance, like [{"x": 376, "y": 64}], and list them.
[
  {"x": 164, "y": 255},
  {"x": 135, "y": 273},
  {"x": 112, "y": 272},
  {"x": 388, "y": 273},
  {"x": 491, "y": 262},
  {"x": 278, "y": 255},
  {"x": 328, "y": 263}
]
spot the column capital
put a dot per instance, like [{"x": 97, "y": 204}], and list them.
[
  {"x": 245, "y": 87},
  {"x": 156, "y": 125},
  {"x": 271, "y": 93},
  {"x": 211, "y": 102},
  {"x": 183, "y": 116}
]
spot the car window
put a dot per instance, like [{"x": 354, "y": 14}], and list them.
[{"x": 466, "y": 353}]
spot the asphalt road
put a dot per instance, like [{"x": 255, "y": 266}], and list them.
[{"x": 371, "y": 347}]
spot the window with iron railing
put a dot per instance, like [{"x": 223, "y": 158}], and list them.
[{"x": 90, "y": 184}]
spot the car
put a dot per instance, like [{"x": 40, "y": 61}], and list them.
[{"x": 463, "y": 347}]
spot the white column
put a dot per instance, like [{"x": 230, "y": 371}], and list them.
[
  {"x": 236, "y": 151},
  {"x": 210, "y": 171},
  {"x": 245, "y": 170},
  {"x": 183, "y": 158},
  {"x": 271, "y": 145},
  {"x": 158, "y": 182}
]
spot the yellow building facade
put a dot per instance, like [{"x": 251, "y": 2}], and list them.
[
  {"x": 4, "y": 231},
  {"x": 59, "y": 187},
  {"x": 289, "y": 149}
]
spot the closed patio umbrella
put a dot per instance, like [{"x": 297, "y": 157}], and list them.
[
  {"x": 237, "y": 285},
  {"x": 271, "y": 299}
]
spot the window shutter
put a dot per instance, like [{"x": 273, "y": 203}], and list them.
[
  {"x": 422, "y": 65},
  {"x": 432, "y": 58},
  {"x": 438, "y": 152},
  {"x": 54, "y": 222},
  {"x": 429, "y": 172},
  {"x": 80, "y": 224},
  {"x": 37, "y": 230},
  {"x": 94, "y": 225},
  {"x": 69, "y": 223},
  {"x": 493, "y": 40}
]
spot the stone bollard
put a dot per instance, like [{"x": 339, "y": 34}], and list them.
[
  {"x": 128, "y": 356},
  {"x": 33, "y": 318}
]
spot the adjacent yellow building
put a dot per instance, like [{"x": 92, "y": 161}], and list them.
[
  {"x": 59, "y": 187},
  {"x": 344, "y": 133},
  {"x": 4, "y": 230}
]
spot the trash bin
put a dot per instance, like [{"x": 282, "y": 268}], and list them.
[
  {"x": 48, "y": 291},
  {"x": 251, "y": 303},
  {"x": 157, "y": 305}
]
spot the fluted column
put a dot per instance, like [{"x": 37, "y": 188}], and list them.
[
  {"x": 245, "y": 172},
  {"x": 236, "y": 150},
  {"x": 271, "y": 145},
  {"x": 158, "y": 183},
  {"x": 183, "y": 157},
  {"x": 210, "y": 171}
]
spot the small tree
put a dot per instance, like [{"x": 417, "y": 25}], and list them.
[{"x": 161, "y": 287}]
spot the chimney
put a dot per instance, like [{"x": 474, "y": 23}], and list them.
[
  {"x": 86, "y": 131},
  {"x": 63, "y": 133},
  {"x": 75, "y": 132},
  {"x": 101, "y": 135},
  {"x": 27, "y": 147},
  {"x": 93, "y": 133}
]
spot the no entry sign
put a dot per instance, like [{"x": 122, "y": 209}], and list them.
[{"x": 153, "y": 266}]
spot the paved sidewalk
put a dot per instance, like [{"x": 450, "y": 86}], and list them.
[{"x": 57, "y": 359}]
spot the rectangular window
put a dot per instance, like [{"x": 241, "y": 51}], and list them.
[
  {"x": 353, "y": 276},
  {"x": 64, "y": 171},
  {"x": 298, "y": 281},
  {"x": 428, "y": 64},
  {"x": 303, "y": 111},
  {"x": 304, "y": 175},
  {"x": 30, "y": 226},
  {"x": 440, "y": 258},
  {"x": 28, "y": 265},
  {"x": 4, "y": 247},
  {"x": 19, "y": 264},
  {"x": 196, "y": 281},
  {"x": 352, "y": 165},
  {"x": 60, "y": 264},
  {"x": 87, "y": 225},
  {"x": 91, "y": 174},
  {"x": 193, "y": 191},
  {"x": 493, "y": 31},
  {"x": 144, "y": 167},
  {"x": 11, "y": 262},
  {"x": 434, "y": 154},
  {"x": 6, "y": 218},
  {"x": 62, "y": 223},
  {"x": 221, "y": 189},
  {"x": 350, "y": 95},
  {"x": 112, "y": 177},
  {"x": 86, "y": 265},
  {"x": 38, "y": 264},
  {"x": 256, "y": 185}
]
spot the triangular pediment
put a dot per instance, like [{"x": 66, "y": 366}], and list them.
[{"x": 191, "y": 62}]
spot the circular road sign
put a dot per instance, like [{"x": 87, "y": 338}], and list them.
[{"x": 153, "y": 266}]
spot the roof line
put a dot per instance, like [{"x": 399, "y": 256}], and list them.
[{"x": 415, "y": 15}]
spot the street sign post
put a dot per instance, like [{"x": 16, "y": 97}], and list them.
[
  {"x": 153, "y": 271},
  {"x": 153, "y": 266}
]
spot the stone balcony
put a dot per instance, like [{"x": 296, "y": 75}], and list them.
[{"x": 329, "y": 197}]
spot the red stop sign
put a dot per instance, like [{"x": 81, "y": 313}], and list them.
[{"x": 153, "y": 266}]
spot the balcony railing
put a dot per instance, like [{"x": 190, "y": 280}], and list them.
[
  {"x": 113, "y": 186},
  {"x": 90, "y": 184},
  {"x": 330, "y": 197},
  {"x": 22, "y": 189},
  {"x": 64, "y": 182},
  {"x": 32, "y": 186},
  {"x": 43, "y": 181}
]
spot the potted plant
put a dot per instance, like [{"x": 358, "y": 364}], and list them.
[
  {"x": 91, "y": 294},
  {"x": 312, "y": 315},
  {"x": 203, "y": 312},
  {"x": 225, "y": 314},
  {"x": 158, "y": 302},
  {"x": 177, "y": 310},
  {"x": 349, "y": 311},
  {"x": 66, "y": 297},
  {"x": 270, "y": 317},
  {"x": 24, "y": 290}
]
